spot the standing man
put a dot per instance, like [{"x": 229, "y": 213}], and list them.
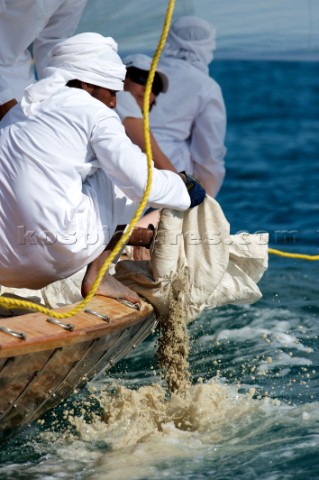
[
  {"x": 189, "y": 121},
  {"x": 40, "y": 23}
]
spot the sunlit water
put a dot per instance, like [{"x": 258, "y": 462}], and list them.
[{"x": 253, "y": 410}]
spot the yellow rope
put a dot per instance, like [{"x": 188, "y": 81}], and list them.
[
  {"x": 8, "y": 302},
  {"x": 146, "y": 103},
  {"x": 301, "y": 256}
]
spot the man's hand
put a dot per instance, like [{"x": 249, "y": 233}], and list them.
[
  {"x": 196, "y": 192},
  {"x": 141, "y": 237}
]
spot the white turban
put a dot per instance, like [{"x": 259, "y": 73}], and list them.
[
  {"x": 191, "y": 39},
  {"x": 88, "y": 57}
]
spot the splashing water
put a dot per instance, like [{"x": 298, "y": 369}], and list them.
[{"x": 141, "y": 428}]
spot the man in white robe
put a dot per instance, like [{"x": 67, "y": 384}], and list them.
[
  {"x": 64, "y": 156},
  {"x": 40, "y": 23},
  {"x": 189, "y": 121}
]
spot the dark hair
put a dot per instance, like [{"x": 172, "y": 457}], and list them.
[
  {"x": 74, "y": 84},
  {"x": 140, "y": 76}
]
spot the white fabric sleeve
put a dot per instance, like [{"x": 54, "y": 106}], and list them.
[
  {"x": 126, "y": 165},
  {"x": 61, "y": 25},
  {"x": 15, "y": 66},
  {"x": 126, "y": 106},
  {"x": 207, "y": 143},
  {"x": 5, "y": 91}
]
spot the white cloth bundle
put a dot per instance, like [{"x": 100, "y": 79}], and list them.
[
  {"x": 88, "y": 57},
  {"x": 194, "y": 254},
  {"x": 191, "y": 39}
]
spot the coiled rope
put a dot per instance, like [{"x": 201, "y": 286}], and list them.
[{"x": 8, "y": 302}]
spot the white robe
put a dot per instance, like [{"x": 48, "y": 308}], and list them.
[
  {"x": 41, "y": 23},
  {"x": 58, "y": 172},
  {"x": 126, "y": 106},
  {"x": 189, "y": 123}
]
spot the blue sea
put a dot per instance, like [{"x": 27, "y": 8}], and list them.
[{"x": 254, "y": 412}]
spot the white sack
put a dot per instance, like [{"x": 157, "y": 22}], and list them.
[{"x": 194, "y": 252}]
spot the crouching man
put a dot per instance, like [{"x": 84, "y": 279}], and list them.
[{"x": 65, "y": 161}]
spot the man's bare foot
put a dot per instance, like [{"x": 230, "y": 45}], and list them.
[{"x": 109, "y": 286}]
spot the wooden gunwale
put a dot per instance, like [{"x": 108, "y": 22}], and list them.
[{"x": 42, "y": 335}]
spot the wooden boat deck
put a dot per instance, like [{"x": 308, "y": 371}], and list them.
[{"x": 50, "y": 360}]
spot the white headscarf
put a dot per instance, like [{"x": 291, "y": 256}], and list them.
[
  {"x": 88, "y": 57},
  {"x": 191, "y": 39}
]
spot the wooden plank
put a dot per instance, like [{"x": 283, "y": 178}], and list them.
[{"x": 42, "y": 335}]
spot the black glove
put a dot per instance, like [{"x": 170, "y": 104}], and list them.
[{"x": 196, "y": 192}]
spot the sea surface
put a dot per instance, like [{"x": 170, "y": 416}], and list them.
[
  {"x": 254, "y": 407},
  {"x": 249, "y": 29}
]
